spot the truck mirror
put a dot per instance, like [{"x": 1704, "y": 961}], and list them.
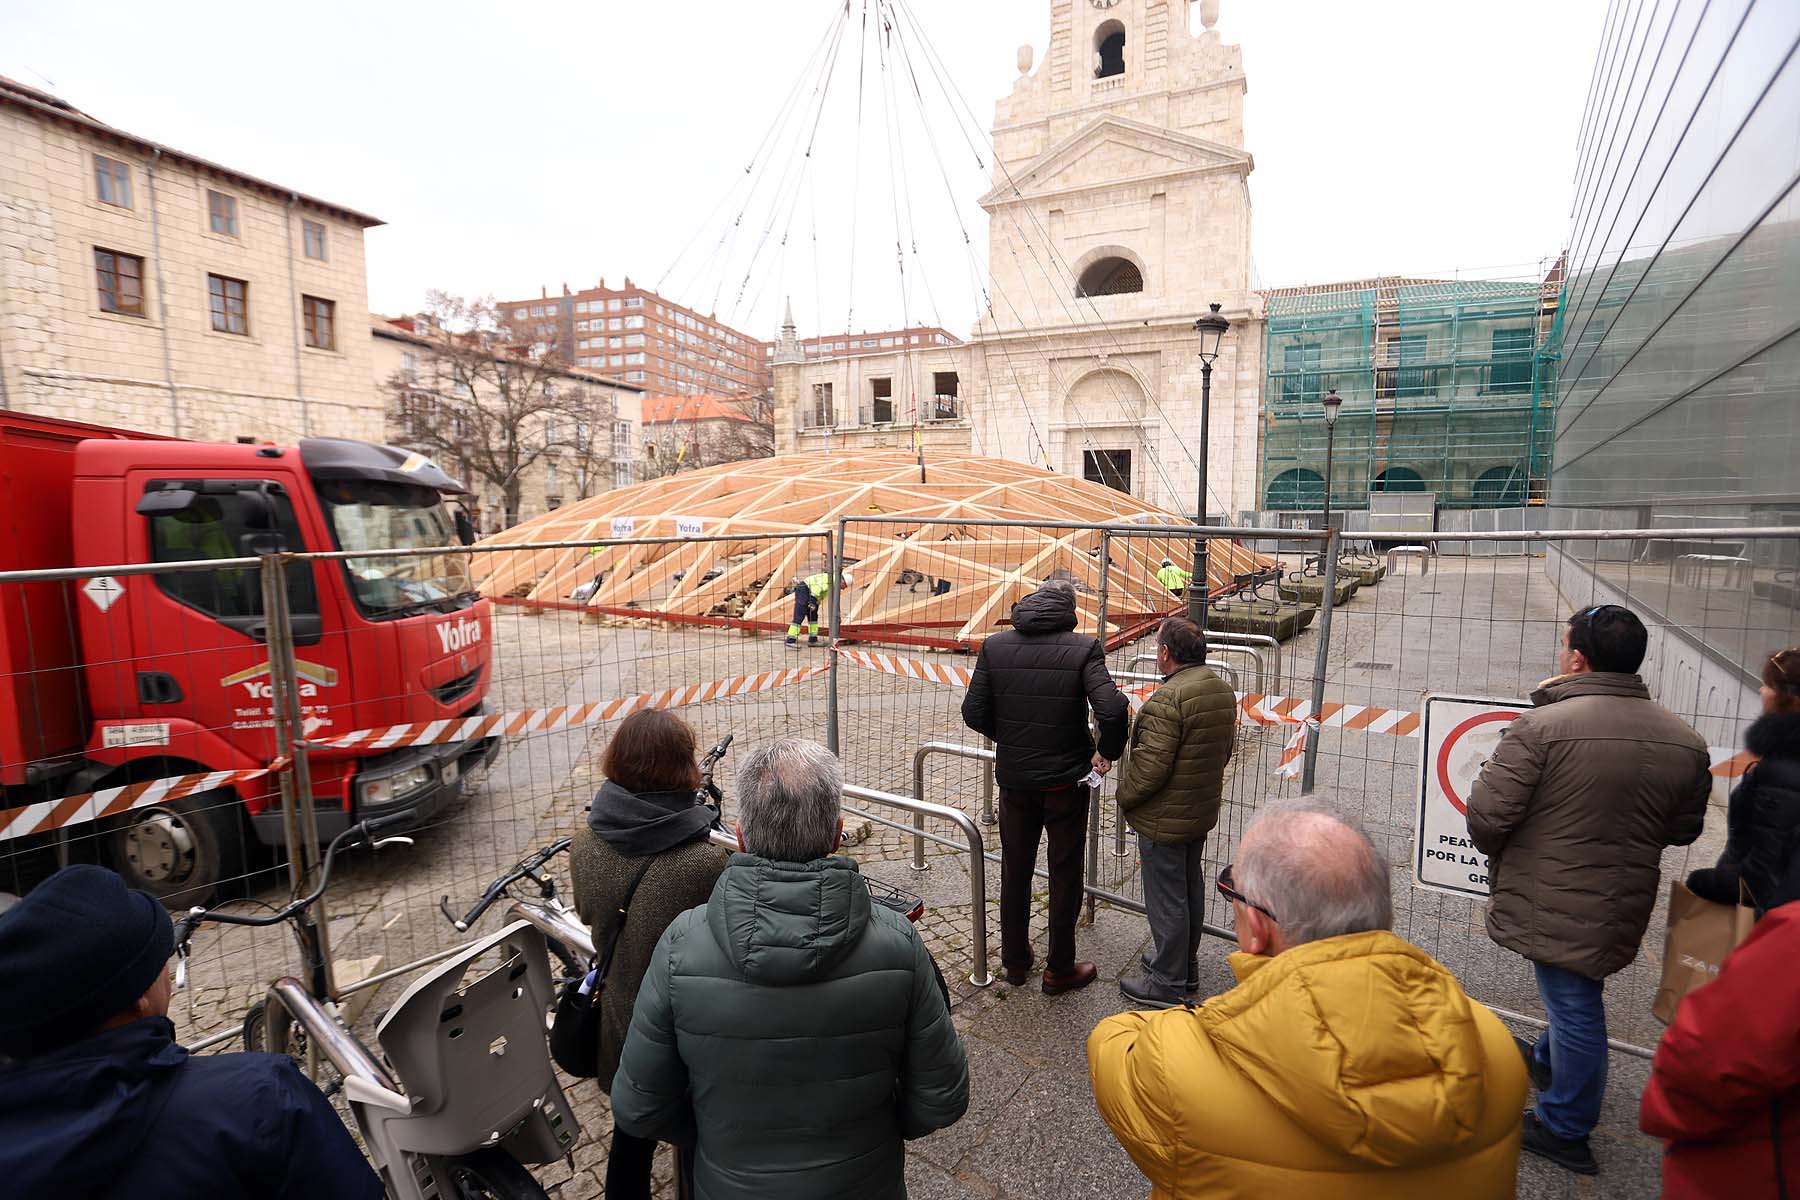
[
  {"x": 166, "y": 502},
  {"x": 465, "y": 528}
]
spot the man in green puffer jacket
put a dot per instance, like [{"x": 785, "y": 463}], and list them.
[
  {"x": 790, "y": 1031},
  {"x": 1174, "y": 781}
]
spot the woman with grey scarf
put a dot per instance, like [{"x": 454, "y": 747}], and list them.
[{"x": 645, "y": 825}]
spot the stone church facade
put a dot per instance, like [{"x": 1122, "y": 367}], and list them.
[{"x": 1119, "y": 210}]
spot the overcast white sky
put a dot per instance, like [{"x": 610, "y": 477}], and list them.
[{"x": 511, "y": 147}]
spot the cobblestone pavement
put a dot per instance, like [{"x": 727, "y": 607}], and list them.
[{"x": 1473, "y": 626}]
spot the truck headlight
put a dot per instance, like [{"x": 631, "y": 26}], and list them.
[{"x": 382, "y": 792}]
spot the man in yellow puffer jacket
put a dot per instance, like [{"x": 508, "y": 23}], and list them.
[{"x": 1346, "y": 1063}]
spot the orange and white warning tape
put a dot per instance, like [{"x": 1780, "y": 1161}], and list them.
[
  {"x": 562, "y": 716},
  {"x": 1260, "y": 709},
  {"x": 108, "y": 802}
]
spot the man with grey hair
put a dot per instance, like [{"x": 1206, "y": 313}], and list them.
[
  {"x": 790, "y": 1031},
  {"x": 1345, "y": 1063}
]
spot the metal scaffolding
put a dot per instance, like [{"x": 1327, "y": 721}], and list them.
[{"x": 1448, "y": 387}]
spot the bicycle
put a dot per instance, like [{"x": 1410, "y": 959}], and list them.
[{"x": 462, "y": 1095}]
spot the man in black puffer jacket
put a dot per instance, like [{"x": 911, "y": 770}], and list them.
[{"x": 1032, "y": 688}]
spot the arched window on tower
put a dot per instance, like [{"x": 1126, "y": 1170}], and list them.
[
  {"x": 1109, "y": 50},
  {"x": 1110, "y": 277}
]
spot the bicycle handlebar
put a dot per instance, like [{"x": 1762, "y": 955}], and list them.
[
  {"x": 361, "y": 831},
  {"x": 495, "y": 891}
]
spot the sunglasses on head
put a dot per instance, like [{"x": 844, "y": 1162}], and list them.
[{"x": 1228, "y": 888}]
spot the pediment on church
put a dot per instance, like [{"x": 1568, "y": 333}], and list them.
[{"x": 1114, "y": 150}]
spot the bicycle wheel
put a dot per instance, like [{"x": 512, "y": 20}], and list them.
[
  {"x": 493, "y": 1174},
  {"x": 273, "y": 1030}
]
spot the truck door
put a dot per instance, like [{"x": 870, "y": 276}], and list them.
[{"x": 206, "y": 632}]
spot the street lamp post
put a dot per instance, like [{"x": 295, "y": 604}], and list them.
[
  {"x": 1331, "y": 401},
  {"x": 1211, "y": 329}
]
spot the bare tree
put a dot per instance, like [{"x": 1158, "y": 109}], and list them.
[
  {"x": 494, "y": 402},
  {"x": 745, "y": 430}
]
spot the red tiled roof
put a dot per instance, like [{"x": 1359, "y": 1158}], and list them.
[{"x": 663, "y": 410}]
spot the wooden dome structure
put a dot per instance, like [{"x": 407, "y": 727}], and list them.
[{"x": 932, "y": 579}]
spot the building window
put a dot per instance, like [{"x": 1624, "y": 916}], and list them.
[
  {"x": 615, "y": 343},
  {"x": 881, "y": 401},
  {"x": 519, "y": 314},
  {"x": 634, "y": 377},
  {"x": 616, "y": 323},
  {"x": 1109, "y": 50},
  {"x": 612, "y": 305},
  {"x": 222, "y": 213},
  {"x": 320, "y": 319},
  {"x": 1510, "y": 369},
  {"x": 1110, "y": 277},
  {"x": 537, "y": 310},
  {"x": 1301, "y": 382},
  {"x": 634, "y": 302},
  {"x": 636, "y": 360},
  {"x": 409, "y": 363},
  {"x": 822, "y": 413},
  {"x": 634, "y": 339},
  {"x": 634, "y": 322},
  {"x": 945, "y": 402},
  {"x": 120, "y": 278},
  {"x": 230, "y": 299},
  {"x": 312, "y": 233},
  {"x": 112, "y": 181}
]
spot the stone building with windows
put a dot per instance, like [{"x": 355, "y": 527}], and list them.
[
  {"x": 1119, "y": 210},
  {"x": 587, "y": 445},
  {"x": 142, "y": 286}
]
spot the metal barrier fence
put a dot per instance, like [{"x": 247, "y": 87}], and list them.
[{"x": 349, "y": 678}]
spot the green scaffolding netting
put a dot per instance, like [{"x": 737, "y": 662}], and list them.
[{"x": 1448, "y": 388}]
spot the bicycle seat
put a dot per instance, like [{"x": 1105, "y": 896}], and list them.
[{"x": 472, "y": 1057}]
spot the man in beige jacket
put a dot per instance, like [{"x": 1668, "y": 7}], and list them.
[{"x": 1574, "y": 811}]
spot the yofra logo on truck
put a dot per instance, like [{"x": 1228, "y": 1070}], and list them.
[{"x": 459, "y": 635}]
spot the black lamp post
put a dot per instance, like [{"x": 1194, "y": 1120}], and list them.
[
  {"x": 1211, "y": 329},
  {"x": 1332, "y": 402}
]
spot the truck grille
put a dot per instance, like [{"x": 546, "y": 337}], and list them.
[{"x": 450, "y": 691}]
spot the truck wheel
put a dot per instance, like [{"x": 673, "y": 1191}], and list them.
[{"x": 179, "y": 851}]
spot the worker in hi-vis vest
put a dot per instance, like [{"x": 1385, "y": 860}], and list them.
[
  {"x": 809, "y": 593},
  {"x": 1173, "y": 577}
]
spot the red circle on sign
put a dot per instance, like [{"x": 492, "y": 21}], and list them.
[{"x": 1443, "y": 758}]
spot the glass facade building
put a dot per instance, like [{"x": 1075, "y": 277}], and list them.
[
  {"x": 1678, "y": 402},
  {"x": 1679, "y": 393}
]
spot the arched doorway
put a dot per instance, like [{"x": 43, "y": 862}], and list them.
[
  {"x": 1398, "y": 479},
  {"x": 1298, "y": 488},
  {"x": 1500, "y": 487}
]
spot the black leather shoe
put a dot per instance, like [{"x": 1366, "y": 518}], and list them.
[
  {"x": 1141, "y": 992},
  {"x": 1018, "y": 975},
  {"x": 1078, "y": 976},
  {"x": 1571, "y": 1154},
  {"x": 1540, "y": 1072}
]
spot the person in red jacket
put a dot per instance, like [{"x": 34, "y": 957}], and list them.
[{"x": 1725, "y": 1085}]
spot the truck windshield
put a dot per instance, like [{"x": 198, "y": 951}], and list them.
[{"x": 373, "y": 515}]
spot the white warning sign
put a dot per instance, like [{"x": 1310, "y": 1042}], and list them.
[
  {"x": 624, "y": 526},
  {"x": 690, "y": 526},
  {"x": 104, "y": 591},
  {"x": 1459, "y": 734}
]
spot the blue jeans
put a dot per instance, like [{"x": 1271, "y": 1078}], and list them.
[{"x": 1575, "y": 1048}]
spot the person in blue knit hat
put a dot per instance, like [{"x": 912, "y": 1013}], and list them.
[{"x": 96, "y": 1098}]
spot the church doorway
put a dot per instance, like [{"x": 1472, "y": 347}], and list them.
[{"x": 1110, "y": 468}]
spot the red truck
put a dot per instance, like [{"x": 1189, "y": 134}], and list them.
[{"x": 110, "y": 680}]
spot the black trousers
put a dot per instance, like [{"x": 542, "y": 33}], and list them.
[
  {"x": 628, "y": 1169},
  {"x": 1024, "y": 817}
]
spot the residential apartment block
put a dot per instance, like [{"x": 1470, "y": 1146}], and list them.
[
  {"x": 145, "y": 287},
  {"x": 584, "y": 445},
  {"x": 633, "y": 334}
]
